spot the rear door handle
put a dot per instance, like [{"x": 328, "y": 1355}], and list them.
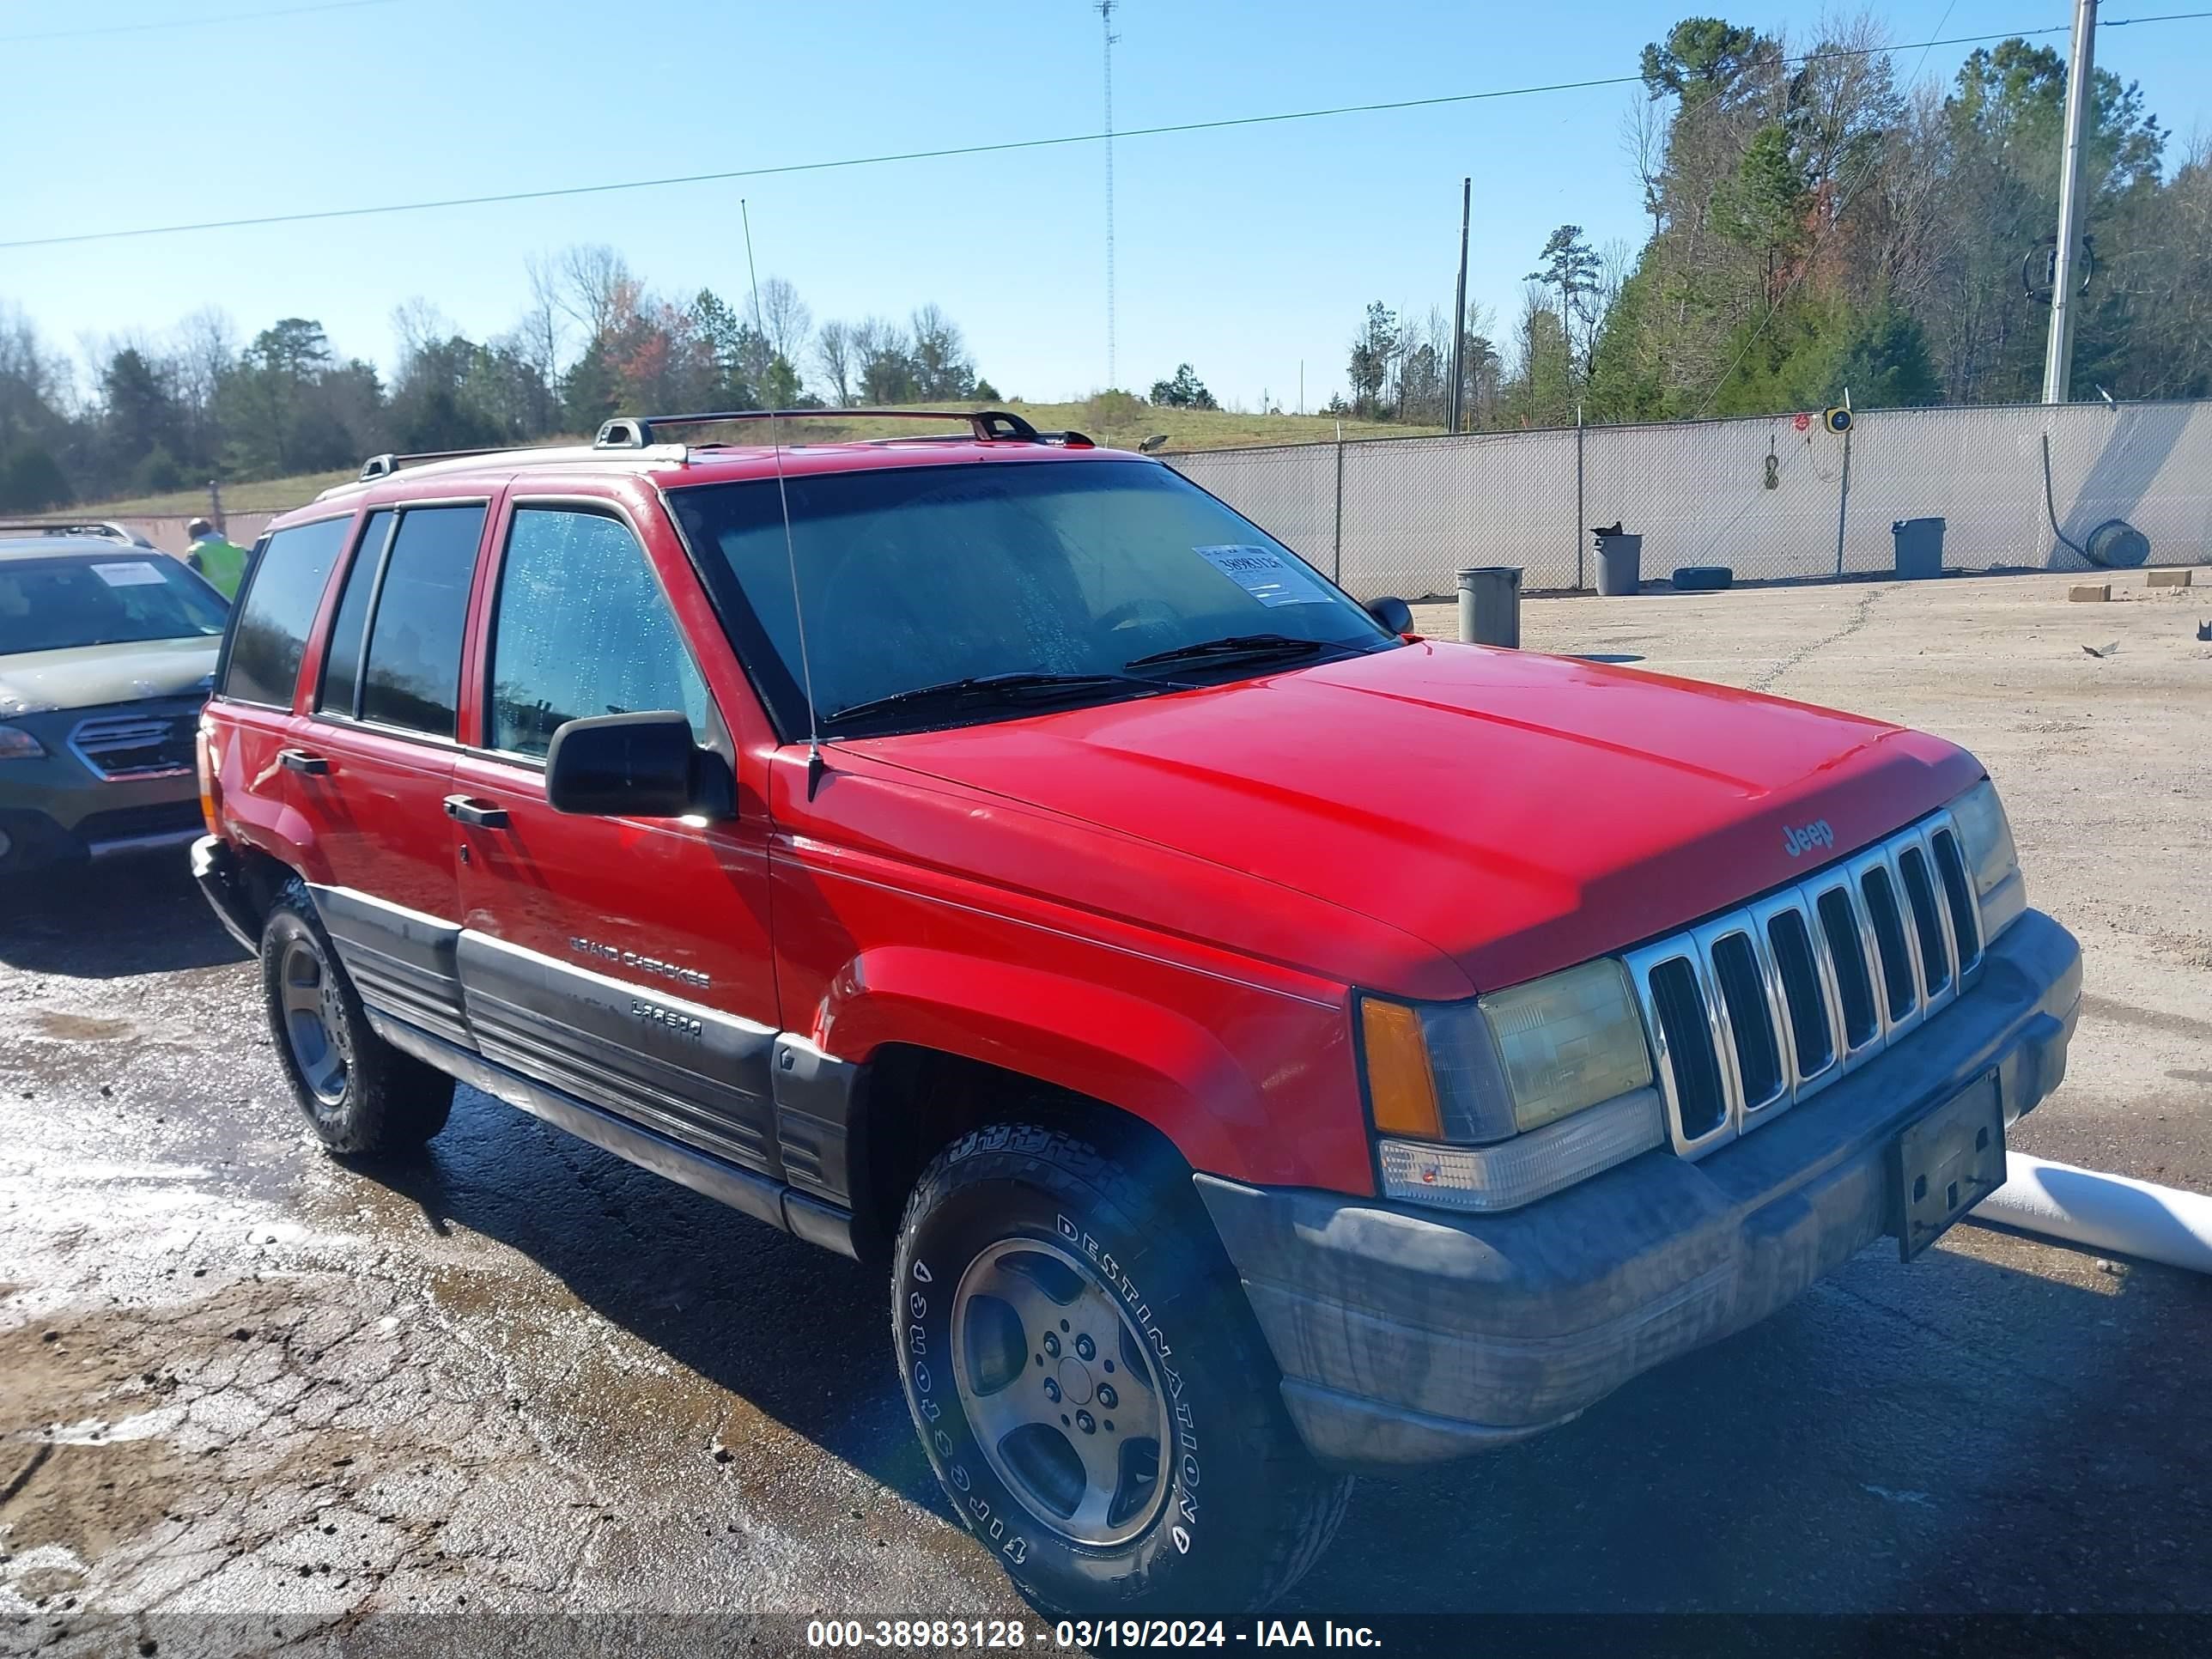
[
  {"x": 482, "y": 814},
  {"x": 299, "y": 760}
]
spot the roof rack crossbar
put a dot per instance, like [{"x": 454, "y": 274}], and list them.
[
  {"x": 637, "y": 431},
  {"x": 383, "y": 466},
  {"x": 100, "y": 528}
]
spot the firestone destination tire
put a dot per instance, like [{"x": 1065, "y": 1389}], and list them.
[{"x": 1090, "y": 1387}]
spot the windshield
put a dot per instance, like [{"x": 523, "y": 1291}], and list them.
[
  {"x": 946, "y": 575},
  {"x": 57, "y": 604}
]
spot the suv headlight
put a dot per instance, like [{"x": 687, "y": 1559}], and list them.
[
  {"x": 16, "y": 744},
  {"x": 1992, "y": 863},
  {"x": 1528, "y": 1089}
]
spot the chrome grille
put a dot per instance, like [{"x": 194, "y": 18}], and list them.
[
  {"x": 1756, "y": 1010},
  {"x": 135, "y": 745}
]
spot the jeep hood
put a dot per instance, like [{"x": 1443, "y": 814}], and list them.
[
  {"x": 88, "y": 676},
  {"x": 1518, "y": 812}
]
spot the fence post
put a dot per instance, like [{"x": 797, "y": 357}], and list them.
[
  {"x": 1580, "y": 515},
  {"x": 1844, "y": 501},
  {"x": 1336, "y": 571}
]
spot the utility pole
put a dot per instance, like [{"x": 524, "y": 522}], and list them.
[
  {"x": 1452, "y": 410},
  {"x": 2081, "y": 77},
  {"x": 1106, "y": 27}
]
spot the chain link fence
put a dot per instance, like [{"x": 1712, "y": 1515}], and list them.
[{"x": 1773, "y": 498}]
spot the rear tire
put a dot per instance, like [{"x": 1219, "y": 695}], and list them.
[
  {"x": 364, "y": 1097},
  {"x": 1052, "y": 1312}
]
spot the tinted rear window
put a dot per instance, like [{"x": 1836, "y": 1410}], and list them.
[
  {"x": 279, "y": 608},
  {"x": 414, "y": 674}
]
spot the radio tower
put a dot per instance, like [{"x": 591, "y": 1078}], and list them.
[{"x": 1106, "y": 24}]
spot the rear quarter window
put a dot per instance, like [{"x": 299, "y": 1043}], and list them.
[{"x": 277, "y": 610}]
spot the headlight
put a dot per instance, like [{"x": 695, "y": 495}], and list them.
[
  {"x": 1992, "y": 864},
  {"x": 1539, "y": 1085},
  {"x": 16, "y": 744}
]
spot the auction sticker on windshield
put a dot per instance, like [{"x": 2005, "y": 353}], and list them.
[
  {"x": 136, "y": 575},
  {"x": 1265, "y": 574}
]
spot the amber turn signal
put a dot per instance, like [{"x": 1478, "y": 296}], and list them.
[{"x": 1400, "y": 1088}]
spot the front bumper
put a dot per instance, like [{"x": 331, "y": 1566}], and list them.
[
  {"x": 1411, "y": 1336},
  {"x": 148, "y": 815}
]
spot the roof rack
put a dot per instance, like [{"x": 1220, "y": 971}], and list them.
[
  {"x": 100, "y": 530},
  {"x": 383, "y": 466},
  {"x": 988, "y": 425}
]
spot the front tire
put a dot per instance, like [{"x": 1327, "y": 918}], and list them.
[
  {"x": 1090, "y": 1387},
  {"x": 364, "y": 1097}
]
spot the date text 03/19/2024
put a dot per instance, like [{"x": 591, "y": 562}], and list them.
[{"x": 1085, "y": 1635}]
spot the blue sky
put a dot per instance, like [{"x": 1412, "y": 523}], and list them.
[{"x": 1243, "y": 252}]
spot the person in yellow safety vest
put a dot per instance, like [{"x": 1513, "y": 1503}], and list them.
[{"x": 216, "y": 556}]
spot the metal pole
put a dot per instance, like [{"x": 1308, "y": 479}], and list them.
[
  {"x": 1843, "y": 499},
  {"x": 1579, "y": 514},
  {"x": 2081, "y": 80},
  {"x": 1452, "y": 404},
  {"x": 1336, "y": 571}
]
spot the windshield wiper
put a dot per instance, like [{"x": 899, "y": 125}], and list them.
[
  {"x": 1235, "y": 645},
  {"x": 995, "y": 687}
]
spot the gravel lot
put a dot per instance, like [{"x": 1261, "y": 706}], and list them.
[{"x": 250, "y": 1397}]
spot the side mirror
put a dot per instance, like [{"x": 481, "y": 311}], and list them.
[
  {"x": 1394, "y": 614},
  {"x": 634, "y": 766}
]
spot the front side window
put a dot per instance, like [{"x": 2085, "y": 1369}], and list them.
[
  {"x": 582, "y": 628},
  {"x": 61, "y": 604},
  {"x": 412, "y": 674},
  {"x": 282, "y": 594},
  {"x": 1101, "y": 579}
]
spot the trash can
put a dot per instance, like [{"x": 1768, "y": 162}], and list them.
[
  {"x": 1490, "y": 606},
  {"x": 1619, "y": 562},
  {"x": 1919, "y": 548}
]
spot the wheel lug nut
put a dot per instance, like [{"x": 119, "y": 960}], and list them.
[
  {"x": 1085, "y": 1422},
  {"x": 1084, "y": 1348},
  {"x": 1052, "y": 1344},
  {"x": 1052, "y": 1390},
  {"x": 1107, "y": 1397}
]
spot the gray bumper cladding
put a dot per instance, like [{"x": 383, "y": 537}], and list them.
[
  {"x": 1409, "y": 1336},
  {"x": 215, "y": 867}
]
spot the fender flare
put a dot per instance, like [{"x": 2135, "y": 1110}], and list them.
[{"x": 1139, "y": 1056}]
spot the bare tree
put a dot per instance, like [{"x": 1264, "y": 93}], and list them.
[
  {"x": 206, "y": 350},
  {"x": 834, "y": 354},
  {"x": 785, "y": 319},
  {"x": 595, "y": 287},
  {"x": 1644, "y": 140},
  {"x": 538, "y": 333},
  {"x": 417, "y": 323}
]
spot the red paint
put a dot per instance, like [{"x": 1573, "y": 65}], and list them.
[{"x": 1165, "y": 903}]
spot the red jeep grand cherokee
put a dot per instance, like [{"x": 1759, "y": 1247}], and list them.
[{"x": 1260, "y": 1045}]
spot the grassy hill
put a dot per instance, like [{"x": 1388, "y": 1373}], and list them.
[{"x": 1115, "y": 421}]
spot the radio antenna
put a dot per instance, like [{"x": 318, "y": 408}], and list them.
[{"x": 790, "y": 546}]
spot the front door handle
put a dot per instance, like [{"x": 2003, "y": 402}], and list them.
[
  {"x": 482, "y": 814},
  {"x": 299, "y": 760}
]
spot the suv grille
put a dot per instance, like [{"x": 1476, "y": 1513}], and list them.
[
  {"x": 144, "y": 743},
  {"x": 1755, "y": 1010}
]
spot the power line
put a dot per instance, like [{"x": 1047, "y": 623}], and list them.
[
  {"x": 194, "y": 22},
  {"x": 946, "y": 152}
]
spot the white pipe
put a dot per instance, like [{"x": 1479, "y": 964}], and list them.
[{"x": 2104, "y": 1211}]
